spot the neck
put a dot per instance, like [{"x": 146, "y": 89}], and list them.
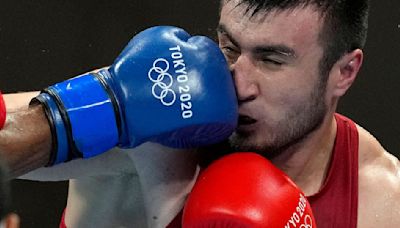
[{"x": 307, "y": 162}]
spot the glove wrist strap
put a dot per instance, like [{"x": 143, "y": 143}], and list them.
[
  {"x": 88, "y": 113},
  {"x": 60, "y": 143}
]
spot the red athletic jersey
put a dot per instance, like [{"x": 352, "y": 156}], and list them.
[{"x": 336, "y": 204}]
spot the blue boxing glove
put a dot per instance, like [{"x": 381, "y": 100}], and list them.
[{"x": 165, "y": 87}]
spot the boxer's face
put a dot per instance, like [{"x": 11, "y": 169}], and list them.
[{"x": 274, "y": 59}]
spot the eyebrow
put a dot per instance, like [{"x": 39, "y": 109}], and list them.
[
  {"x": 276, "y": 49},
  {"x": 223, "y": 30},
  {"x": 279, "y": 49}
]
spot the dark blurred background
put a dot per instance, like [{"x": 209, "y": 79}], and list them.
[{"x": 43, "y": 42}]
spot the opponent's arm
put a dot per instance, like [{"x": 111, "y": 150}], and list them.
[
  {"x": 165, "y": 87},
  {"x": 17, "y": 104},
  {"x": 25, "y": 140}
]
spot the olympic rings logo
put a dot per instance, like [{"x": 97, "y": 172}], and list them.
[
  {"x": 307, "y": 222},
  {"x": 163, "y": 81}
]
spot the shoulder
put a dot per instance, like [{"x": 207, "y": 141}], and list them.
[
  {"x": 373, "y": 157},
  {"x": 379, "y": 184}
]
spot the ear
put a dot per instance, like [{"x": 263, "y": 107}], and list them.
[{"x": 345, "y": 71}]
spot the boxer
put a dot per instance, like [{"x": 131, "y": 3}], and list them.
[
  {"x": 292, "y": 61},
  {"x": 88, "y": 115}
]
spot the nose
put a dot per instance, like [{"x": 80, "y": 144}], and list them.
[{"x": 243, "y": 71}]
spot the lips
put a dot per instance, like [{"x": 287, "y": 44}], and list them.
[{"x": 246, "y": 120}]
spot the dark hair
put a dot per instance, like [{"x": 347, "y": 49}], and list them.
[{"x": 345, "y": 24}]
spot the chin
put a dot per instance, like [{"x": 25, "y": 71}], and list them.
[
  {"x": 258, "y": 143},
  {"x": 240, "y": 141}
]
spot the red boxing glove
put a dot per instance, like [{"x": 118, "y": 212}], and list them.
[
  {"x": 246, "y": 190},
  {"x": 2, "y": 111}
]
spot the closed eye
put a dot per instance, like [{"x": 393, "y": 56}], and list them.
[{"x": 272, "y": 61}]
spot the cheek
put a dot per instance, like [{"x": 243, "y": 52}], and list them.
[
  {"x": 291, "y": 100},
  {"x": 278, "y": 102},
  {"x": 286, "y": 89}
]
